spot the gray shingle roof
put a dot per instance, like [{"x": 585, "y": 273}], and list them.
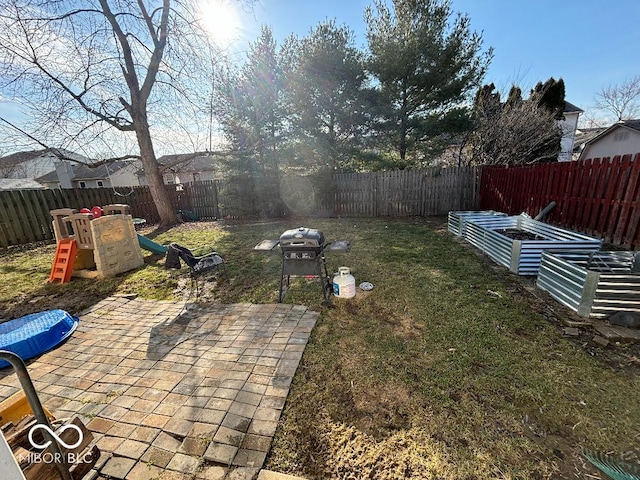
[
  {"x": 21, "y": 157},
  {"x": 19, "y": 184},
  {"x": 48, "y": 177},
  {"x": 584, "y": 135},
  {"x": 571, "y": 108},
  {"x": 182, "y": 162},
  {"x": 82, "y": 172},
  {"x": 634, "y": 124}
]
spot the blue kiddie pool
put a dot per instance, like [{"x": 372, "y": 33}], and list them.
[{"x": 31, "y": 335}]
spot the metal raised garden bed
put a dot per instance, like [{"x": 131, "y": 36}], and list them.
[
  {"x": 457, "y": 221},
  {"x": 523, "y": 256},
  {"x": 593, "y": 284}
]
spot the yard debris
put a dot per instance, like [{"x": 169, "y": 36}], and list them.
[
  {"x": 573, "y": 323},
  {"x": 612, "y": 332},
  {"x": 494, "y": 294},
  {"x": 571, "y": 331},
  {"x": 600, "y": 340}
]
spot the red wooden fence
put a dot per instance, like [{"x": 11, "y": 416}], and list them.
[{"x": 599, "y": 196}]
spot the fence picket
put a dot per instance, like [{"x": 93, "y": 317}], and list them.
[
  {"x": 598, "y": 196},
  {"x": 7, "y": 234},
  {"x": 629, "y": 222}
]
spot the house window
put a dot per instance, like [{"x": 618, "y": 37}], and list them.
[
  {"x": 83, "y": 185},
  {"x": 620, "y": 136},
  {"x": 100, "y": 184}
]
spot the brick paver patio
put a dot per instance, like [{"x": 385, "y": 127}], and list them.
[{"x": 175, "y": 392}]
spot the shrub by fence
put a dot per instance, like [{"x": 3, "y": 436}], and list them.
[{"x": 599, "y": 196}]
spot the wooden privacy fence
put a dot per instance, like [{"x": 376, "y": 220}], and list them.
[
  {"x": 25, "y": 218},
  {"x": 24, "y": 215},
  {"x": 599, "y": 196},
  {"x": 432, "y": 191}
]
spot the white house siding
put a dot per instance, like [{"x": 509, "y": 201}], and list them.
[
  {"x": 209, "y": 175},
  {"x": 39, "y": 166},
  {"x": 609, "y": 145},
  {"x": 93, "y": 183},
  {"x": 188, "y": 177},
  {"x": 191, "y": 177},
  {"x": 169, "y": 178},
  {"x": 125, "y": 177},
  {"x": 33, "y": 168},
  {"x": 568, "y": 125}
]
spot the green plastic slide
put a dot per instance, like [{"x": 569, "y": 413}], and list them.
[{"x": 151, "y": 246}]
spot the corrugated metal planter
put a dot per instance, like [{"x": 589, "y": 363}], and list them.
[
  {"x": 593, "y": 284},
  {"x": 457, "y": 221},
  {"x": 523, "y": 256}
]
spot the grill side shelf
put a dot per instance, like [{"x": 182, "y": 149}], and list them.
[{"x": 266, "y": 245}]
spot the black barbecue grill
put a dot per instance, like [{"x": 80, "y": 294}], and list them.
[{"x": 303, "y": 254}]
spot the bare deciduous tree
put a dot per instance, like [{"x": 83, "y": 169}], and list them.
[
  {"x": 95, "y": 71},
  {"x": 515, "y": 132},
  {"x": 622, "y": 100}
]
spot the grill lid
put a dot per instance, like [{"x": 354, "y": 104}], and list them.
[{"x": 302, "y": 238}]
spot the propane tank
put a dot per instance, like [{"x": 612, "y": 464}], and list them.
[{"x": 344, "y": 284}]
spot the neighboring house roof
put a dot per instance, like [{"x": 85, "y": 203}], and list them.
[
  {"x": 22, "y": 157},
  {"x": 571, "y": 108},
  {"x": 583, "y": 135},
  {"x": 630, "y": 124},
  {"x": 50, "y": 177},
  {"x": 83, "y": 172},
  {"x": 186, "y": 162},
  {"x": 585, "y": 130},
  {"x": 634, "y": 124},
  {"x": 19, "y": 184}
]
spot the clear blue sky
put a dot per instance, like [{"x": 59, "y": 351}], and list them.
[{"x": 589, "y": 43}]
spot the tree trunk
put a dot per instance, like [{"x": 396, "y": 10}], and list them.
[
  {"x": 403, "y": 123},
  {"x": 403, "y": 141},
  {"x": 168, "y": 215}
]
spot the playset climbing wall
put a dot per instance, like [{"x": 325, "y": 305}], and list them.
[{"x": 106, "y": 246}]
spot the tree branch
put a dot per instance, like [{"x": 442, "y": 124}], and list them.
[
  {"x": 148, "y": 22},
  {"x": 128, "y": 69},
  {"x": 58, "y": 153},
  {"x": 156, "y": 56},
  {"x": 115, "y": 122}
]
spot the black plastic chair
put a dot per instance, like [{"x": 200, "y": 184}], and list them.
[{"x": 198, "y": 265}]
